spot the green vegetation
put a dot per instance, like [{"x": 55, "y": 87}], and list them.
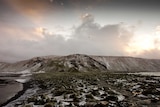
[
  {"x": 79, "y": 75},
  {"x": 64, "y": 81},
  {"x": 49, "y": 105},
  {"x": 28, "y": 105}
]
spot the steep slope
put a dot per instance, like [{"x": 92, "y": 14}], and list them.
[
  {"x": 79, "y": 62},
  {"x": 84, "y": 61},
  {"x": 128, "y": 63}
]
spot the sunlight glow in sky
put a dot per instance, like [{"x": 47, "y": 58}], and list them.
[{"x": 30, "y": 28}]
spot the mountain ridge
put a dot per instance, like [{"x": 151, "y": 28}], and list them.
[{"x": 82, "y": 62}]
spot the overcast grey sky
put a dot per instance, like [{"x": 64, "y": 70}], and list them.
[{"x": 30, "y": 28}]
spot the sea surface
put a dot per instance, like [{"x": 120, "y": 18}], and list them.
[
  {"x": 148, "y": 73},
  {"x": 10, "y": 85},
  {"x": 8, "y": 90}
]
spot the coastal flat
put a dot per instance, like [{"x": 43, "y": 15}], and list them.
[{"x": 93, "y": 89}]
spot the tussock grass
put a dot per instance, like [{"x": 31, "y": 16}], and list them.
[{"x": 66, "y": 79}]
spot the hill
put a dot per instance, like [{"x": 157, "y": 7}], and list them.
[{"x": 84, "y": 63}]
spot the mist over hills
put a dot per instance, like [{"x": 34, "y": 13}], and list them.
[{"x": 83, "y": 63}]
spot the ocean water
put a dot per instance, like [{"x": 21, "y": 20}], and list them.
[
  {"x": 148, "y": 73},
  {"x": 10, "y": 85},
  {"x": 8, "y": 90}
]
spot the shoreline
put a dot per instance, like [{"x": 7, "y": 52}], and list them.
[{"x": 17, "y": 95}]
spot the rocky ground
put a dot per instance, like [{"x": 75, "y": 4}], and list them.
[{"x": 92, "y": 89}]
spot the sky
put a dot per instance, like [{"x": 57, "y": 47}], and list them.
[{"x": 31, "y": 28}]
